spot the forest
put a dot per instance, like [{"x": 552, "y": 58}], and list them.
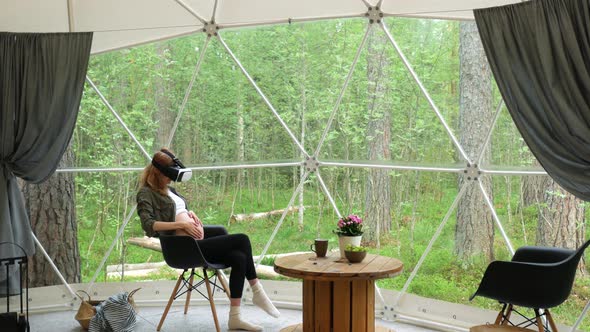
[{"x": 228, "y": 132}]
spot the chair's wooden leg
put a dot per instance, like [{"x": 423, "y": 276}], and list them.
[
  {"x": 539, "y": 321},
  {"x": 211, "y": 302},
  {"x": 170, "y": 301},
  {"x": 507, "y": 315},
  {"x": 190, "y": 290},
  {"x": 500, "y": 315},
  {"x": 551, "y": 322},
  {"x": 221, "y": 278}
]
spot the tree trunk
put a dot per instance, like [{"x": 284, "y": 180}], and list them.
[
  {"x": 261, "y": 215},
  {"x": 240, "y": 134},
  {"x": 52, "y": 211},
  {"x": 378, "y": 188},
  {"x": 163, "y": 115},
  {"x": 474, "y": 232},
  {"x": 561, "y": 219},
  {"x": 241, "y": 154},
  {"x": 533, "y": 191},
  {"x": 303, "y": 125}
]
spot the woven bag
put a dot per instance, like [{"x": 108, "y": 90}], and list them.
[
  {"x": 130, "y": 299},
  {"x": 86, "y": 310}
]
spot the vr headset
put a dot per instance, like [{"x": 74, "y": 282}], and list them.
[{"x": 176, "y": 172}]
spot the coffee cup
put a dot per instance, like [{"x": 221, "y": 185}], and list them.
[{"x": 320, "y": 247}]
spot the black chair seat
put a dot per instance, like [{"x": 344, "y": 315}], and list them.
[{"x": 183, "y": 252}]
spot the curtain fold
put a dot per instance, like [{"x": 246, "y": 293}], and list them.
[
  {"x": 41, "y": 84},
  {"x": 539, "y": 52}
]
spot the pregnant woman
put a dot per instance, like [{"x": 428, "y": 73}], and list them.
[{"x": 164, "y": 211}]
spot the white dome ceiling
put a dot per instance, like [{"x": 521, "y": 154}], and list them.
[{"x": 123, "y": 23}]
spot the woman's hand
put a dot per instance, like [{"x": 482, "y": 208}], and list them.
[
  {"x": 200, "y": 230},
  {"x": 194, "y": 217},
  {"x": 191, "y": 228}
]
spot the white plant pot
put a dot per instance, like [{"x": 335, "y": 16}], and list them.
[{"x": 344, "y": 241}]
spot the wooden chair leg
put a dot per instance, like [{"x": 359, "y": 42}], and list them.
[
  {"x": 221, "y": 278},
  {"x": 507, "y": 315},
  {"x": 500, "y": 315},
  {"x": 551, "y": 322},
  {"x": 190, "y": 290},
  {"x": 170, "y": 301},
  {"x": 211, "y": 302},
  {"x": 539, "y": 321}
]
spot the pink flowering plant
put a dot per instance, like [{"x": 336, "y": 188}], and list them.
[{"x": 351, "y": 225}]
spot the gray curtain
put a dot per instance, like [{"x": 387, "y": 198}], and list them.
[
  {"x": 539, "y": 52},
  {"x": 41, "y": 85}
]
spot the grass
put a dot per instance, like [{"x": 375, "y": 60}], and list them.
[{"x": 441, "y": 276}]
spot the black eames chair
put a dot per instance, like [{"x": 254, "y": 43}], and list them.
[
  {"x": 537, "y": 277},
  {"x": 183, "y": 252}
]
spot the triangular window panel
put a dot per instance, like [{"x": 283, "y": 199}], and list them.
[
  {"x": 99, "y": 140},
  {"x": 302, "y": 70},
  {"x": 509, "y": 150},
  {"x": 226, "y": 122},
  {"x": 146, "y": 85},
  {"x": 104, "y": 201},
  {"x": 384, "y": 118}
]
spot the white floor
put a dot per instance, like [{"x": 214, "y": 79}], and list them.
[{"x": 198, "y": 319}]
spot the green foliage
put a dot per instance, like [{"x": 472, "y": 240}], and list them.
[{"x": 268, "y": 260}]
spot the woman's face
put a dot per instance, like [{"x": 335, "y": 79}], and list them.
[{"x": 164, "y": 178}]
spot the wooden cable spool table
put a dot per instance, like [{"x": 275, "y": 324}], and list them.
[{"x": 337, "y": 296}]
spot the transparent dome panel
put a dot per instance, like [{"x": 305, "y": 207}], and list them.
[
  {"x": 144, "y": 85},
  {"x": 104, "y": 202},
  {"x": 100, "y": 141},
  {"x": 432, "y": 50},
  {"x": 452, "y": 268},
  {"x": 508, "y": 149},
  {"x": 226, "y": 122},
  {"x": 514, "y": 210},
  {"x": 300, "y": 68},
  {"x": 385, "y": 118}
]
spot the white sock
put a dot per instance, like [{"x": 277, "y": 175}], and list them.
[
  {"x": 235, "y": 321},
  {"x": 262, "y": 301}
]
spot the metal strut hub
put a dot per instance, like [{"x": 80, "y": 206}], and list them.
[
  {"x": 211, "y": 29},
  {"x": 374, "y": 14},
  {"x": 472, "y": 172},
  {"x": 311, "y": 164}
]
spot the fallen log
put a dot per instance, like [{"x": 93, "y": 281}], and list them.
[
  {"x": 267, "y": 272},
  {"x": 279, "y": 255},
  {"x": 260, "y": 215},
  {"x": 133, "y": 273},
  {"x": 154, "y": 244},
  {"x": 135, "y": 267},
  {"x": 146, "y": 242}
]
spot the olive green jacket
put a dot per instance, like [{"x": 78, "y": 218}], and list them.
[{"x": 153, "y": 206}]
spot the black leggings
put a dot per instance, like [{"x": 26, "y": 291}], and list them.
[{"x": 233, "y": 250}]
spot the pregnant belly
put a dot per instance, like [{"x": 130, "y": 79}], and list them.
[{"x": 184, "y": 217}]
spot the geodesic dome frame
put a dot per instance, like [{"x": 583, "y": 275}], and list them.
[{"x": 132, "y": 25}]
